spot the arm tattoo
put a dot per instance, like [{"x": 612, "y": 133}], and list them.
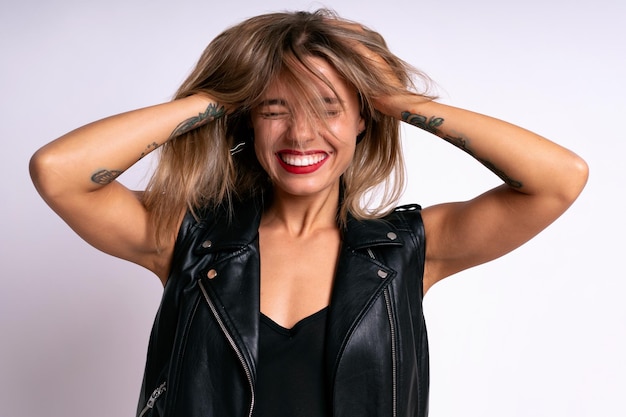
[
  {"x": 432, "y": 125},
  {"x": 212, "y": 112},
  {"x": 429, "y": 125},
  {"x": 149, "y": 149},
  {"x": 105, "y": 176}
]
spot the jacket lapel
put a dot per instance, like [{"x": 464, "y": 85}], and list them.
[
  {"x": 235, "y": 286},
  {"x": 359, "y": 281}
]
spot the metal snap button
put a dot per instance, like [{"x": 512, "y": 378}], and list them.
[
  {"x": 207, "y": 244},
  {"x": 392, "y": 236},
  {"x": 211, "y": 274},
  {"x": 382, "y": 274}
]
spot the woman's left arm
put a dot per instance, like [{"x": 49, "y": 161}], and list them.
[{"x": 541, "y": 180}]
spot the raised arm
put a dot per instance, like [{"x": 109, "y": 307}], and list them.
[
  {"x": 541, "y": 180},
  {"x": 76, "y": 174}
]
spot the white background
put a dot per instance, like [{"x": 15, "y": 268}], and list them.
[{"x": 540, "y": 332}]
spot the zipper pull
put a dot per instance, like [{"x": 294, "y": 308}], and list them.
[{"x": 153, "y": 397}]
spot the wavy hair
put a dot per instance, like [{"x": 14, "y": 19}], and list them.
[{"x": 212, "y": 165}]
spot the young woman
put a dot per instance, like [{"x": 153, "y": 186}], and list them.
[{"x": 283, "y": 294}]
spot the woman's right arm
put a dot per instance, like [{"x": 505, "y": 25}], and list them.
[{"x": 76, "y": 174}]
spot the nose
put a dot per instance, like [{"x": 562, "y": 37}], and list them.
[{"x": 302, "y": 128}]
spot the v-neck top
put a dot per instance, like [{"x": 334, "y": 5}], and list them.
[{"x": 290, "y": 370}]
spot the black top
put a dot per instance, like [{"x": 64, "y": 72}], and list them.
[{"x": 290, "y": 371}]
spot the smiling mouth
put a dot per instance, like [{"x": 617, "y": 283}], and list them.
[
  {"x": 302, "y": 160},
  {"x": 301, "y": 163}
]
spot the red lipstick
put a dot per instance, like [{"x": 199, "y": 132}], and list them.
[{"x": 296, "y": 162}]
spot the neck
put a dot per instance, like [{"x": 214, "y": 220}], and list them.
[{"x": 302, "y": 215}]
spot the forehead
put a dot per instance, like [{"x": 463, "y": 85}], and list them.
[{"x": 289, "y": 84}]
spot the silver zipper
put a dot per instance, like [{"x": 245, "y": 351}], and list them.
[
  {"x": 394, "y": 359},
  {"x": 394, "y": 356},
  {"x": 153, "y": 397},
  {"x": 232, "y": 343}
]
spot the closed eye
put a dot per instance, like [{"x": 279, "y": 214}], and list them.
[
  {"x": 274, "y": 115},
  {"x": 273, "y": 109},
  {"x": 333, "y": 107}
]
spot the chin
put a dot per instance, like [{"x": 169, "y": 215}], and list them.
[{"x": 305, "y": 190}]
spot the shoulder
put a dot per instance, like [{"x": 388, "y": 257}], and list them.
[
  {"x": 406, "y": 211},
  {"x": 400, "y": 227},
  {"x": 224, "y": 226},
  {"x": 408, "y": 217}
]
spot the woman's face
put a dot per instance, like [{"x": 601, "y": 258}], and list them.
[{"x": 302, "y": 156}]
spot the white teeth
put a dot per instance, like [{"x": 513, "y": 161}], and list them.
[{"x": 302, "y": 160}]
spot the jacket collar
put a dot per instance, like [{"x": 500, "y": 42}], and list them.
[
  {"x": 364, "y": 234},
  {"x": 238, "y": 227},
  {"x": 231, "y": 229}
]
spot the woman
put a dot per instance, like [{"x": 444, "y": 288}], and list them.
[{"x": 283, "y": 294}]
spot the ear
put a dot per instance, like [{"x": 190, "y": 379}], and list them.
[
  {"x": 361, "y": 124},
  {"x": 360, "y": 129}
]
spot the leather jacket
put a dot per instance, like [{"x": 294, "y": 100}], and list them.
[{"x": 203, "y": 347}]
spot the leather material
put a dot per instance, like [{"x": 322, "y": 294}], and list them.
[{"x": 203, "y": 345}]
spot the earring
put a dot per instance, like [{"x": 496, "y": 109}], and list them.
[
  {"x": 241, "y": 145},
  {"x": 237, "y": 148}
]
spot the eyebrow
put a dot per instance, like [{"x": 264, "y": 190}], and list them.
[{"x": 283, "y": 102}]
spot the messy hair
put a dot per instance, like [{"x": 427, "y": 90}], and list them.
[{"x": 215, "y": 163}]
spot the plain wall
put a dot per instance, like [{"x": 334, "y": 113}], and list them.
[{"x": 539, "y": 332}]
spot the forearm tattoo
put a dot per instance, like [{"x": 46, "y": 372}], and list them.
[
  {"x": 105, "y": 176},
  {"x": 212, "y": 112},
  {"x": 432, "y": 125},
  {"x": 149, "y": 149}
]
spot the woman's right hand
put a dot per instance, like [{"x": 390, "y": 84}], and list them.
[{"x": 75, "y": 175}]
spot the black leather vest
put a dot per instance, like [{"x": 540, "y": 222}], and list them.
[{"x": 203, "y": 347}]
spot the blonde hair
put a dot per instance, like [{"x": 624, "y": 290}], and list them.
[{"x": 201, "y": 167}]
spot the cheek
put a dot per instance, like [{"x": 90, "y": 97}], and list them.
[
  {"x": 266, "y": 136},
  {"x": 264, "y": 151},
  {"x": 261, "y": 138},
  {"x": 261, "y": 150},
  {"x": 344, "y": 133}
]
